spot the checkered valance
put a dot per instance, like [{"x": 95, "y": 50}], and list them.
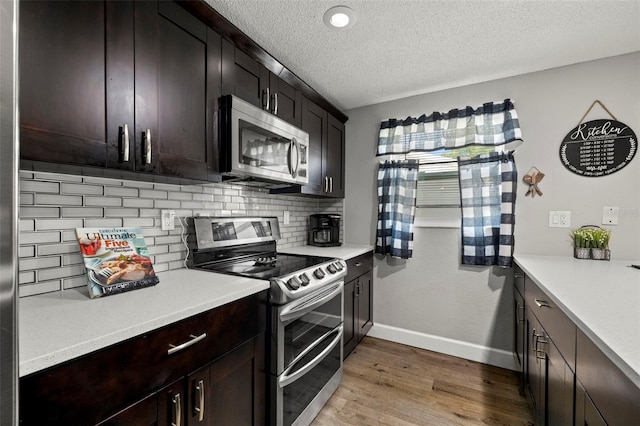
[{"x": 491, "y": 124}]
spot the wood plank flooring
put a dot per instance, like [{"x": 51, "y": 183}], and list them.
[{"x": 387, "y": 383}]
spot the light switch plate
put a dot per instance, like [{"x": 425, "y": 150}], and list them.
[{"x": 559, "y": 219}]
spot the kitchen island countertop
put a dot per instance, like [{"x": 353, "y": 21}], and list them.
[
  {"x": 601, "y": 297},
  {"x": 57, "y": 327}
]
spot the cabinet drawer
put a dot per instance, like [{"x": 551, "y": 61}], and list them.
[
  {"x": 557, "y": 325},
  {"x": 359, "y": 265},
  {"x": 90, "y": 388}
]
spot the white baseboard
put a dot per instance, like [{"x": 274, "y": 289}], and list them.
[{"x": 470, "y": 351}]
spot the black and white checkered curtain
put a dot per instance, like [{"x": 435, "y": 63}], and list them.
[
  {"x": 492, "y": 124},
  {"x": 397, "y": 187},
  {"x": 488, "y": 196}
]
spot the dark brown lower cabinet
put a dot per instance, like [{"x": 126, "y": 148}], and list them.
[
  {"x": 569, "y": 380},
  {"x": 221, "y": 377},
  {"x": 358, "y": 301}
]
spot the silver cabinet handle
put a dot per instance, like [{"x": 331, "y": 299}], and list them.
[
  {"x": 194, "y": 339},
  {"x": 147, "y": 146},
  {"x": 357, "y": 264},
  {"x": 518, "y": 276},
  {"x": 176, "y": 411},
  {"x": 125, "y": 143},
  {"x": 542, "y": 303},
  {"x": 540, "y": 353},
  {"x": 265, "y": 99},
  {"x": 200, "y": 407},
  {"x": 331, "y": 184},
  {"x": 326, "y": 184},
  {"x": 274, "y": 104}
]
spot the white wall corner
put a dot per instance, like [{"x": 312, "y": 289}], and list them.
[{"x": 473, "y": 352}]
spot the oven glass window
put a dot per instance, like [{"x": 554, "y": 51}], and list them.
[
  {"x": 298, "y": 395},
  {"x": 308, "y": 329}
]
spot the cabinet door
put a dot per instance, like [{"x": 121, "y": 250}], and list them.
[
  {"x": 243, "y": 76},
  {"x": 350, "y": 331},
  {"x": 535, "y": 366},
  {"x": 560, "y": 388},
  {"x": 63, "y": 99},
  {"x": 143, "y": 413},
  {"x": 285, "y": 101},
  {"x": 230, "y": 391},
  {"x": 175, "y": 59},
  {"x": 365, "y": 304},
  {"x": 333, "y": 157},
  {"x": 314, "y": 121},
  {"x": 518, "y": 330}
]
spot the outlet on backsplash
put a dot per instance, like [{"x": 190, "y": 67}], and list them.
[{"x": 168, "y": 220}]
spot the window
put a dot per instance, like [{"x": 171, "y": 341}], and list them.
[{"x": 438, "y": 185}]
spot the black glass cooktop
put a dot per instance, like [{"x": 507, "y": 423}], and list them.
[{"x": 265, "y": 266}]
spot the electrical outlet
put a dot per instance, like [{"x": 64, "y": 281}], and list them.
[
  {"x": 286, "y": 217},
  {"x": 168, "y": 220},
  {"x": 610, "y": 215},
  {"x": 559, "y": 219}
]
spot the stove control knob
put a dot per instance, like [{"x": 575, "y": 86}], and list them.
[
  {"x": 339, "y": 266},
  {"x": 318, "y": 273},
  {"x": 332, "y": 269},
  {"x": 293, "y": 283},
  {"x": 304, "y": 278}
]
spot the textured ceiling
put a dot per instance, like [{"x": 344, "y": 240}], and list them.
[{"x": 400, "y": 48}]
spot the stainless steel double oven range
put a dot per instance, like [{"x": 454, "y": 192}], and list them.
[{"x": 305, "y": 333}]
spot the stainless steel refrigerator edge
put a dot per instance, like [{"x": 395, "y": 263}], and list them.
[{"x": 8, "y": 211}]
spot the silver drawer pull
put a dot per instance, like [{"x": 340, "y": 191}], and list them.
[
  {"x": 357, "y": 264},
  {"x": 518, "y": 276},
  {"x": 542, "y": 303},
  {"x": 194, "y": 339}
]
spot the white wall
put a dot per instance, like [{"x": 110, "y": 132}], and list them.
[{"x": 433, "y": 301}]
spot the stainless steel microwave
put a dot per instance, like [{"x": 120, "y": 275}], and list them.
[{"x": 257, "y": 145}]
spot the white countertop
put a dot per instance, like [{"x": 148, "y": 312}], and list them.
[
  {"x": 601, "y": 297},
  {"x": 345, "y": 251},
  {"x": 60, "y": 326}
]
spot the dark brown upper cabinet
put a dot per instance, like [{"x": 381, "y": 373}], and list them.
[
  {"x": 63, "y": 70},
  {"x": 251, "y": 81},
  {"x": 119, "y": 85},
  {"x": 326, "y": 153}
]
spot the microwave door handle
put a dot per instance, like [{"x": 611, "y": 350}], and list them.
[
  {"x": 286, "y": 379},
  {"x": 297, "y": 145},
  {"x": 293, "y": 171},
  {"x": 297, "y": 310}
]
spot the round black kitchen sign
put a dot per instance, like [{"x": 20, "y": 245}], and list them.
[{"x": 598, "y": 148}]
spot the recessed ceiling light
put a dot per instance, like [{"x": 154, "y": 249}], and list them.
[{"x": 339, "y": 17}]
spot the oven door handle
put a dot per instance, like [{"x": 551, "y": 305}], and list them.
[
  {"x": 286, "y": 379},
  {"x": 296, "y": 310}
]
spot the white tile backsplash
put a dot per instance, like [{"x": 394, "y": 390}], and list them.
[{"x": 52, "y": 205}]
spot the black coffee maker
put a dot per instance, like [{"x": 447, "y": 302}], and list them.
[{"x": 324, "y": 230}]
